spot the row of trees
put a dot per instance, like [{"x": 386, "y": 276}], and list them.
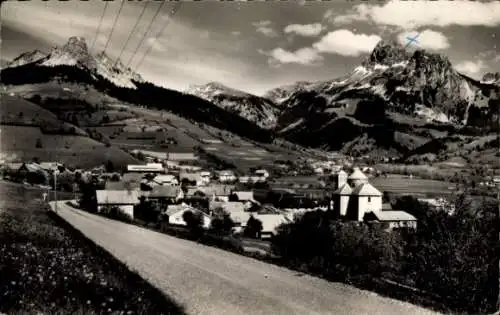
[{"x": 452, "y": 256}]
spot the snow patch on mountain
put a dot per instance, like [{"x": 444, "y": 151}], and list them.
[{"x": 26, "y": 58}]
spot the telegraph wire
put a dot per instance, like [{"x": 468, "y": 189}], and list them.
[
  {"x": 144, "y": 35},
  {"x": 132, "y": 32},
  {"x": 114, "y": 24},
  {"x": 174, "y": 11},
  {"x": 99, "y": 27}
]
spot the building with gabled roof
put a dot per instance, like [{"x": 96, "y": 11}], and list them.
[
  {"x": 125, "y": 200},
  {"x": 356, "y": 199}
]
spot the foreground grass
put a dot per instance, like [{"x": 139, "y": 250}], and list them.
[{"x": 48, "y": 267}]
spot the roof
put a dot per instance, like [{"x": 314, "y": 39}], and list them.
[
  {"x": 122, "y": 185},
  {"x": 366, "y": 189},
  {"x": 271, "y": 221},
  {"x": 189, "y": 176},
  {"x": 149, "y": 167},
  {"x": 49, "y": 165},
  {"x": 393, "y": 215},
  {"x": 117, "y": 197},
  {"x": 386, "y": 206},
  {"x": 357, "y": 174},
  {"x": 244, "y": 195},
  {"x": 172, "y": 209},
  {"x": 132, "y": 177},
  {"x": 165, "y": 178},
  {"x": 231, "y": 206},
  {"x": 164, "y": 192},
  {"x": 218, "y": 190},
  {"x": 226, "y": 173},
  {"x": 343, "y": 190},
  {"x": 341, "y": 173},
  {"x": 13, "y": 166}
]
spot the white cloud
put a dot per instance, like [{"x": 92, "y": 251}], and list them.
[
  {"x": 413, "y": 14},
  {"x": 307, "y": 30},
  {"x": 346, "y": 43},
  {"x": 236, "y": 33},
  {"x": 264, "y": 27},
  {"x": 155, "y": 44},
  {"x": 303, "y": 56},
  {"x": 471, "y": 67},
  {"x": 427, "y": 39}
]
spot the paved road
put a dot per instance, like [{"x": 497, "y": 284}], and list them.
[{"x": 207, "y": 280}]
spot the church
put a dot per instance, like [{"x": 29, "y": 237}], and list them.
[{"x": 357, "y": 200}]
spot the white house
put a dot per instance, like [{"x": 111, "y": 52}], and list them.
[
  {"x": 262, "y": 173},
  {"x": 227, "y": 176},
  {"x": 205, "y": 177},
  {"x": 175, "y": 215},
  {"x": 394, "y": 219},
  {"x": 125, "y": 200}
]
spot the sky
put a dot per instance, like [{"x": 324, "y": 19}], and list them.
[{"x": 256, "y": 46}]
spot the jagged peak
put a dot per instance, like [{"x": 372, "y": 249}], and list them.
[{"x": 388, "y": 52}]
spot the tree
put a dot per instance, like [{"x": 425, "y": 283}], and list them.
[
  {"x": 110, "y": 166},
  {"x": 38, "y": 143},
  {"x": 194, "y": 222},
  {"x": 222, "y": 223},
  {"x": 253, "y": 228},
  {"x": 233, "y": 197}
]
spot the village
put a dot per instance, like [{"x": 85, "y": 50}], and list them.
[{"x": 176, "y": 185}]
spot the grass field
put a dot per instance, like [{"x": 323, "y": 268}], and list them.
[
  {"x": 20, "y": 141},
  {"x": 401, "y": 184},
  {"x": 49, "y": 268}
]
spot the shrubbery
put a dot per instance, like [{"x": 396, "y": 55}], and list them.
[{"x": 451, "y": 256}]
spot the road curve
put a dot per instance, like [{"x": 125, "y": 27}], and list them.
[{"x": 207, "y": 280}]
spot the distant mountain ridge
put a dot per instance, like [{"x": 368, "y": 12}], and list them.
[
  {"x": 75, "y": 53},
  {"x": 73, "y": 63},
  {"x": 258, "y": 110},
  {"x": 391, "y": 84}
]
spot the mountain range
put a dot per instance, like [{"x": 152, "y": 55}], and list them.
[{"x": 395, "y": 101}]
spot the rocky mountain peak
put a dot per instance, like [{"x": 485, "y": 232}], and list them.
[
  {"x": 388, "y": 52},
  {"x": 75, "y": 51},
  {"x": 491, "y": 77}
]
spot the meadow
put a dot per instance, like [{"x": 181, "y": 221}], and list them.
[{"x": 50, "y": 268}]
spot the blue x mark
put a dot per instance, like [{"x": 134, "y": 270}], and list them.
[{"x": 412, "y": 40}]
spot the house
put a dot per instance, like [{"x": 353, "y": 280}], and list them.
[
  {"x": 146, "y": 168},
  {"x": 226, "y": 176},
  {"x": 395, "y": 219},
  {"x": 10, "y": 170},
  {"x": 125, "y": 200},
  {"x": 175, "y": 215},
  {"x": 166, "y": 180},
  {"x": 270, "y": 223},
  {"x": 33, "y": 173},
  {"x": 129, "y": 181},
  {"x": 228, "y": 206},
  {"x": 244, "y": 179},
  {"x": 51, "y": 166},
  {"x": 166, "y": 194},
  {"x": 243, "y": 195},
  {"x": 193, "y": 178},
  {"x": 189, "y": 168},
  {"x": 218, "y": 192},
  {"x": 205, "y": 177},
  {"x": 262, "y": 173}
]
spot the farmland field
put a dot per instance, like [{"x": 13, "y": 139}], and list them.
[
  {"x": 79, "y": 151},
  {"x": 415, "y": 186},
  {"x": 49, "y": 268}
]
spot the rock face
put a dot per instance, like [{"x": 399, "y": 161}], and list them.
[
  {"x": 25, "y": 58},
  {"x": 391, "y": 82},
  {"x": 75, "y": 53},
  {"x": 258, "y": 110}
]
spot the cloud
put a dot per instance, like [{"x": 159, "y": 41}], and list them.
[
  {"x": 236, "y": 33},
  {"x": 303, "y": 56},
  {"x": 471, "y": 67},
  {"x": 346, "y": 43},
  {"x": 413, "y": 14},
  {"x": 264, "y": 27},
  {"x": 427, "y": 39},
  {"x": 307, "y": 30}
]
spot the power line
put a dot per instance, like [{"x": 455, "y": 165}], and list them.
[
  {"x": 113, "y": 27},
  {"x": 144, "y": 35},
  {"x": 174, "y": 10},
  {"x": 99, "y": 27},
  {"x": 132, "y": 32}
]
